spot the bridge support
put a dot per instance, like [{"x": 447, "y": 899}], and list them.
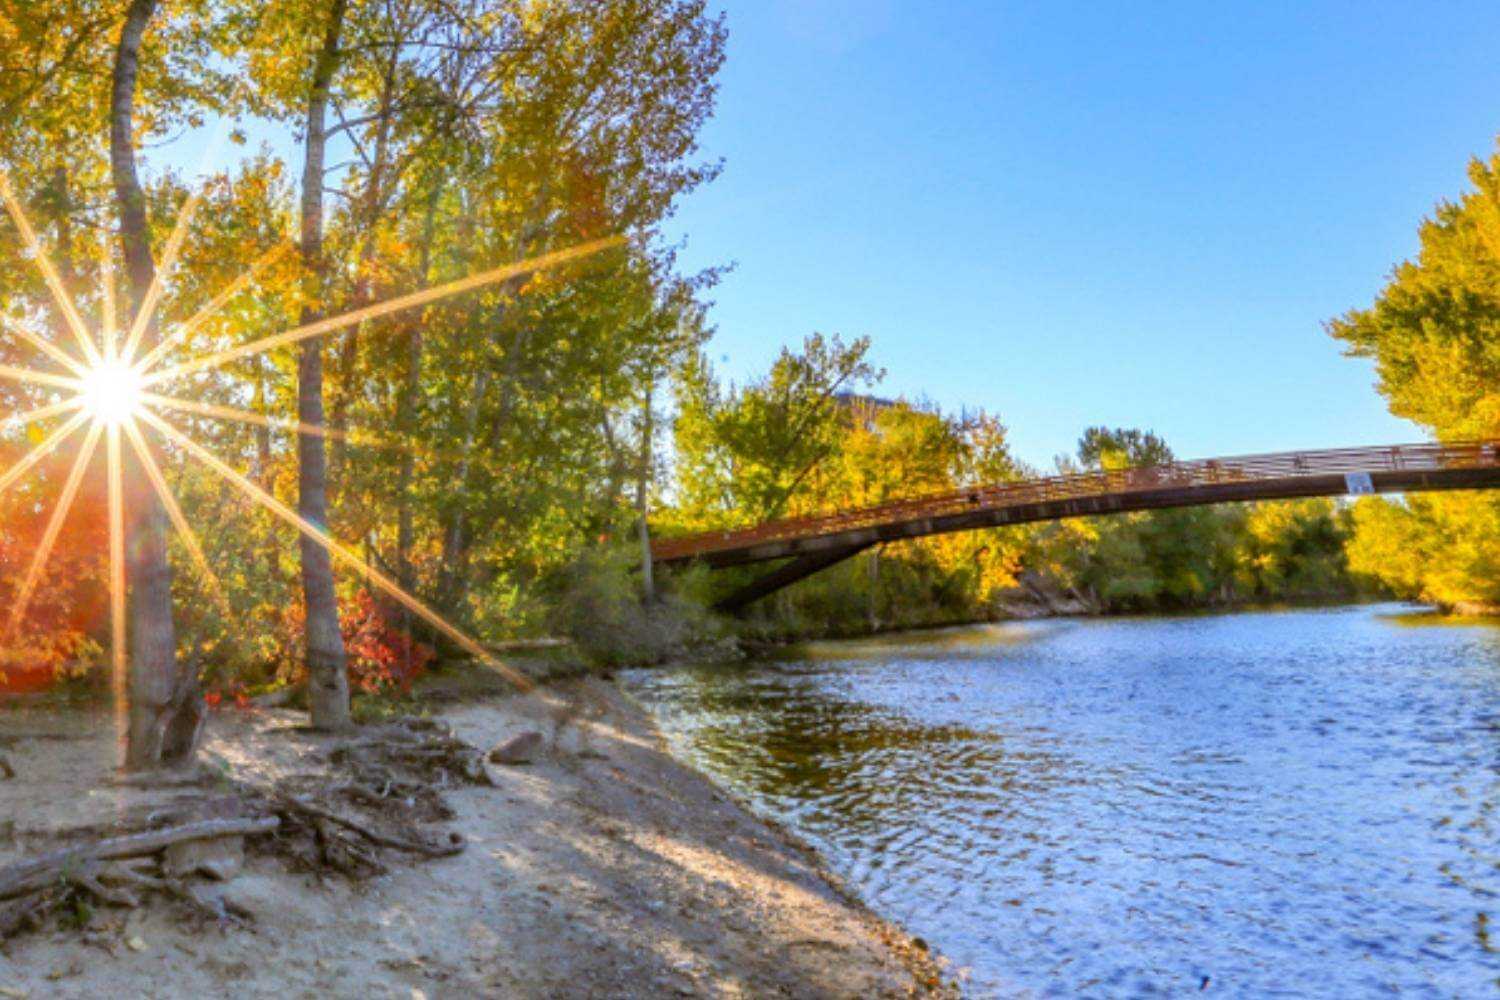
[{"x": 785, "y": 576}]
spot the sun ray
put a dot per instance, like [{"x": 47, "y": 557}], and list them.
[
  {"x": 321, "y": 327},
  {"x": 54, "y": 526},
  {"x": 179, "y": 233},
  {"x": 147, "y": 308},
  {"x": 344, "y": 555},
  {"x": 274, "y": 423},
  {"x": 41, "y": 378},
  {"x": 117, "y": 648},
  {"x": 239, "y": 284},
  {"x": 41, "y": 451},
  {"x": 179, "y": 521},
  {"x": 41, "y": 413},
  {"x": 48, "y": 348},
  {"x": 50, "y": 276}
]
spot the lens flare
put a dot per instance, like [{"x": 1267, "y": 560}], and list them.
[
  {"x": 52, "y": 279},
  {"x": 111, "y": 392},
  {"x": 108, "y": 388}
]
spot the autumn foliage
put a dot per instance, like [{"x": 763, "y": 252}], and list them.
[{"x": 384, "y": 656}]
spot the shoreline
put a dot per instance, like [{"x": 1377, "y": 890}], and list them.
[
  {"x": 608, "y": 867},
  {"x": 1015, "y": 613},
  {"x": 927, "y": 966}
]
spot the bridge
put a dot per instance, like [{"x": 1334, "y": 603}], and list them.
[{"x": 819, "y": 541}]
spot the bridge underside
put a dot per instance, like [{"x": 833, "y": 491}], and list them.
[{"x": 811, "y": 554}]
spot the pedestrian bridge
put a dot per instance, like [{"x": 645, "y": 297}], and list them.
[{"x": 815, "y": 542}]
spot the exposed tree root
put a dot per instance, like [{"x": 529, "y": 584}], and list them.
[
  {"x": 119, "y": 884},
  {"x": 408, "y": 763},
  {"x": 40, "y": 873},
  {"x": 377, "y": 797},
  {"x": 454, "y": 845}
]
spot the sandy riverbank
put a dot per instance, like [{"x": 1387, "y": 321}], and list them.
[{"x": 604, "y": 869}]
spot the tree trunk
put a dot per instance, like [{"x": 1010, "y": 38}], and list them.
[
  {"x": 406, "y": 420},
  {"x": 166, "y": 708},
  {"x": 327, "y": 678},
  {"x": 371, "y": 206},
  {"x": 455, "y": 544},
  {"x": 411, "y": 394},
  {"x": 264, "y": 474},
  {"x": 643, "y": 495}
]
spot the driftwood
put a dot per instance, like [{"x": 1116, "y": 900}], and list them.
[
  {"x": 30, "y": 911},
  {"x": 119, "y": 883},
  {"x": 50, "y": 869},
  {"x": 455, "y": 844},
  {"x": 377, "y": 796}
]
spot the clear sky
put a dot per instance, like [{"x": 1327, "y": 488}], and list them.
[{"x": 1077, "y": 213}]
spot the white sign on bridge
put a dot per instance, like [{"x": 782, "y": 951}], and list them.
[{"x": 1358, "y": 484}]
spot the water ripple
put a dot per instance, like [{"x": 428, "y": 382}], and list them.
[{"x": 1296, "y": 804}]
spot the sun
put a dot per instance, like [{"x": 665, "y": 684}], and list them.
[
  {"x": 112, "y": 389},
  {"x": 111, "y": 392}
]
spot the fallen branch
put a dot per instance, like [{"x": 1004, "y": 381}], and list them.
[
  {"x": 39, "y": 873},
  {"x": 454, "y": 846},
  {"x": 29, "y": 912}
]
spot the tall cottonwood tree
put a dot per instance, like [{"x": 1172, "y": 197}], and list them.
[
  {"x": 327, "y": 675},
  {"x": 165, "y": 707},
  {"x": 81, "y": 85},
  {"x": 526, "y": 129},
  {"x": 1433, "y": 333}
]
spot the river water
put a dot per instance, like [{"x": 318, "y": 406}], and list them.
[{"x": 1297, "y": 803}]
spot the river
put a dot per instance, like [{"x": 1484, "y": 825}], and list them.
[{"x": 1299, "y": 803}]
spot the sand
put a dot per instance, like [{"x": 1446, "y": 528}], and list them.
[{"x": 603, "y": 869}]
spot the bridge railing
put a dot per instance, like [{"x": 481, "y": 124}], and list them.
[{"x": 1200, "y": 472}]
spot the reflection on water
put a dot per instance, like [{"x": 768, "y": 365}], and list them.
[{"x": 1296, "y": 803}]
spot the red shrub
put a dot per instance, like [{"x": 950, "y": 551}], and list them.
[{"x": 382, "y": 654}]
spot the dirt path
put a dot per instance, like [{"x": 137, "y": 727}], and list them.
[{"x": 604, "y": 869}]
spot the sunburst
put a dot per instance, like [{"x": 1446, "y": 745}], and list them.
[{"x": 108, "y": 393}]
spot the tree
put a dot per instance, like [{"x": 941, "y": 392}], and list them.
[
  {"x": 82, "y": 85},
  {"x": 1141, "y": 561},
  {"x": 1295, "y": 549},
  {"x": 1121, "y": 448},
  {"x": 327, "y": 673},
  {"x": 747, "y": 454},
  {"x": 166, "y": 705},
  {"x": 1434, "y": 335},
  {"x": 492, "y": 437}
]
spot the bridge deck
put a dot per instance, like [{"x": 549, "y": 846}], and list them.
[{"x": 1334, "y": 472}]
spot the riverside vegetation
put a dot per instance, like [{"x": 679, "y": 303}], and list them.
[
  {"x": 505, "y": 455},
  {"x": 534, "y": 432}
]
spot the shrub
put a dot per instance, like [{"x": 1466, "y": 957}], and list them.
[
  {"x": 383, "y": 657},
  {"x": 597, "y": 603},
  {"x": 383, "y": 654}
]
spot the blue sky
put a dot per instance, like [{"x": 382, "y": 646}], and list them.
[{"x": 1078, "y": 213}]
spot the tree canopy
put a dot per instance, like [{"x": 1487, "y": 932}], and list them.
[{"x": 1433, "y": 333}]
